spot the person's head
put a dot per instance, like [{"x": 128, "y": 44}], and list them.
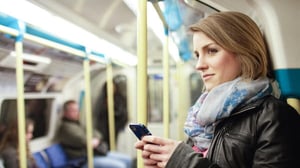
[
  {"x": 11, "y": 135},
  {"x": 71, "y": 110},
  {"x": 29, "y": 129},
  {"x": 229, "y": 45},
  {"x": 104, "y": 88}
]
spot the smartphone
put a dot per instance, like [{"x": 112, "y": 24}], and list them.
[{"x": 139, "y": 130}]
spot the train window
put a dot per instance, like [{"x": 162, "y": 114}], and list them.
[
  {"x": 196, "y": 85},
  {"x": 155, "y": 98},
  {"x": 36, "y": 109}
]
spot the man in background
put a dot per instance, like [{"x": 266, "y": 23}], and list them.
[{"x": 72, "y": 136}]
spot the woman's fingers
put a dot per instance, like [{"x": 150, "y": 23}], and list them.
[
  {"x": 148, "y": 162},
  {"x": 139, "y": 145},
  {"x": 151, "y": 166},
  {"x": 146, "y": 154},
  {"x": 156, "y": 151},
  {"x": 160, "y": 145},
  {"x": 154, "y": 140},
  {"x": 161, "y": 164}
]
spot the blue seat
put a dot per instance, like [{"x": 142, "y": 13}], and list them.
[
  {"x": 40, "y": 160},
  {"x": 58, "y": 158}
]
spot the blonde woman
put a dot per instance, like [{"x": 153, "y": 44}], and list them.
[{"x": 238, "y": 121}]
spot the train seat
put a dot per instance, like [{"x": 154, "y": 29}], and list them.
[
  {"x": 58, "y": 158},
  {"x": 41, "y": 159}
]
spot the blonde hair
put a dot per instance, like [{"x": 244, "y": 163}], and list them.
[{"x": 239, "y": 34}]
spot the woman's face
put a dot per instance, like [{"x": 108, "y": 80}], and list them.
[
  {"x": 29, "y": 132},
  {"x": 215, "y": 64}
]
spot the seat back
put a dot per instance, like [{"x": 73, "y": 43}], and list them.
[
  {"x": 40, "y": 160},
  {"x": 57, "y": 156}
]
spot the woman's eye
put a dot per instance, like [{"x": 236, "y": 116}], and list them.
[
  {"x": 196, "y": 55},
  {"x": 212, "y": 51}
]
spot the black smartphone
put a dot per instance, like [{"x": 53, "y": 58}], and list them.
[{"x": 139, "y": 130}]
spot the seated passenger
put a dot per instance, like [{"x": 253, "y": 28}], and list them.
[
  {"x": 9, "y": 145},
  {"x": 72, "y": 136}
]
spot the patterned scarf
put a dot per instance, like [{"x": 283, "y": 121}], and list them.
[{"x": 219, "y": 103}]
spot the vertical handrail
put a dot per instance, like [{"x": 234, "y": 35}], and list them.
[
  {"x": 88, "y": 110},
  {"x": 20, "y": 99},
  {"x": 294, "y": 102},
  {"x": 181, "y": 104},
  {"x": 166, "y": 72},
  {"x": 111, "y": 110},
  {"x": 166, "y": 86},
  {"x": 141, "y": 68}
]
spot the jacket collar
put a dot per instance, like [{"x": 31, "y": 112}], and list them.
[
  {"x": 69, "y": 120},
  {"x": 250, "y": 106}
]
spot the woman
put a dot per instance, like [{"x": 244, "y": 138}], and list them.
[
  {"x": 238, "y": 121},
  {"x": 9, "y": 145}
]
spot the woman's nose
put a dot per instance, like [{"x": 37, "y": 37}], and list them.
[{"x": 201, "y": 64}]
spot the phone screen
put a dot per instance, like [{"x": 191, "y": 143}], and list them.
[{"x": 139, "y": 130}]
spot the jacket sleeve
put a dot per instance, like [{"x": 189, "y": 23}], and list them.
[
  {"x": 97, "y": 134},
  {"x": 277, "y": 136},
  {"x": 9, "y": 156},
  {"x": 185, "y": 156}
]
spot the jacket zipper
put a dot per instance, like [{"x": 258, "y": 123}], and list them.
[
  {"x": 215, "y": 144},
  {"x": 214, "y": 149}
]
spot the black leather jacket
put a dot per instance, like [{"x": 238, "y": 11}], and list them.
[{"x": 261, "y": 134}]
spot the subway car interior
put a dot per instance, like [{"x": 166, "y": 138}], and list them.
[{"x": 52, "y": 51}]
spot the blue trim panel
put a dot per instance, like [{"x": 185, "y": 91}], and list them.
[
  {"x": 289, "y": 82},
  {"x": 81, "y": 99},
  {"x": 39, "y": 33},
  {"x": 98, "y": 54},
  {"x": 13, "y": 23},
  {"x": 8, "y": 21},
  {"x": 22, "y": 29}
]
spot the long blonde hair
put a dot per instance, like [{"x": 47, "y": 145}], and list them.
[{"x": 239, "y": 34}]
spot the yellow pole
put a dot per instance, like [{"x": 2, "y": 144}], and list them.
[
  {"x": 160, "y": 13},
  {"x": 181, "y": 105},
  {"x": 9, "y": 30},
  {"x": 51, "y": 44},
  {"x": 166, "y": 97},
  {"x": 166, "y": 87},
  {"x": 88, "y": 110},
  {"x": 20, "y": 99},
  {"x": 141, "y": 68},
  {"x": 111, "y": 110},
  {"x": 294, "y": 103},
  {"x": 55, "y": 45}
]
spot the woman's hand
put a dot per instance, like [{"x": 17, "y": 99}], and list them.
[{"x": 156, "y": 151}]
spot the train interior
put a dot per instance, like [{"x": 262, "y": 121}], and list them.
[{"x": 53, "y": 74}]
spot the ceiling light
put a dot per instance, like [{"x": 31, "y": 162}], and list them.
[{"x": 42, "y": 19}]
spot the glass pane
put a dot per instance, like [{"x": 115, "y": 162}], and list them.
[
  {"x": 36, "y": 109},
  {"x": 196, "y": 85},
  {"x": 155, "y": 98}
]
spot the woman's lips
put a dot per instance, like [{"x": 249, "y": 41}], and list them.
[{"x": 207, "y": 76}]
